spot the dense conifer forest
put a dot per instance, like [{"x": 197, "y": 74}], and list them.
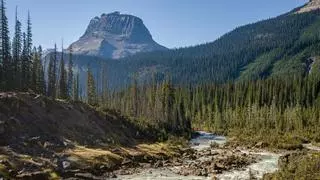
[
  {"x": 275, "y": 47},
  {"x": 21, "y": 65},
  {"x": 263, "y": 108}
]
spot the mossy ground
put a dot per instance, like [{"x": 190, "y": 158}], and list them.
[
  {"x": 270, "y": 139},
  {"x": 304, "y": 166}
]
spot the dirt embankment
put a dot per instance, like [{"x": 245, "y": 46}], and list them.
[{"x": 45, "y": 139}]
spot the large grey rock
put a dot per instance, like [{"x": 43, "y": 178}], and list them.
[
  {"x": 310, "y": 6},
  {"x": 115, "y": 36}
]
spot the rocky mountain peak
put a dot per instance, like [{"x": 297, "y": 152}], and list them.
[
  {"x": 310, "y": 6},
  {"x": 115, "y": 35}
]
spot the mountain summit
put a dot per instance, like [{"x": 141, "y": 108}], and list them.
[
  {"x": 115, "y": 36},
  {"x": 310, "y": 6}
]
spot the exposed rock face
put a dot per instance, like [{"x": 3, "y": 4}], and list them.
[
  {"x": 310, "y": 6},
  {"x": 115, "y": 36}
]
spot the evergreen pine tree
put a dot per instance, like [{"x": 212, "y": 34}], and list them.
[
  {"x": 35, "y": 73},
  {"x": 52, "y": 74},
  {"x": 29, "y": 47},
  {"x": 16, "y": 53},
  {"x": 41, "y": 78},
  {"x": 91, "y": 88},
  {"x": 24, "y": 64},
  {"x": 4, "y": 49},
  {"x": 63, "y": 91},
  {"x": 70, "y": 74},
  {"x": 26, "y": 72},
  {"x": 76, "y": 88}
]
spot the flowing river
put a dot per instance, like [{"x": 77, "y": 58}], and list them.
[{"x": 268, "y": 163}]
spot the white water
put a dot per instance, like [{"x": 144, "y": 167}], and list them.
[
  {"x": 205, "y": 139},
  {"x": 267, "y": 164}
]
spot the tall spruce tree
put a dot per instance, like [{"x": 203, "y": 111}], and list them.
[
  {"x": 16, "y": 53},
  {"x": 104, "y": 83},
  {"x": 41, "y": 79},
  {"x": 168, "y": 100},
  {"x": 24, "y": 64},
  {"x": 26, "y": 57},
  {"x": 76, "y": 88},
  {"x": 91, "y": 88},
  {"x": 63, "y": 89},
  {"x": 35, "y": 73},
  {"x": 29, "y": 35},
  {"x": 52, "y": 74},
  {"x": 4, "y": 49},
  {"x": 29, "y": 50},
  {"x": 70, "y": 74}
]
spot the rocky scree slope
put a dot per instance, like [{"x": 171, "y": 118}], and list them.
[{"x": 310, "y": 6}]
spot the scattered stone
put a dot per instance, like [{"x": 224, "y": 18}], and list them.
[
  {"x": 145, "y": 165},
  {"x": 33, "y": 175},
  {"x": 126, "y": 161},
  {"x": 261, "y": 145},
  {"x": 210, "y": 161},
  {"x": 88, "y": 176},
  {"x": 65, "y": 164},
  {"x": 47, "y": 144},
  {"x": 214, "y": 145},
  {"x": 116, "y": 151},
  {"x": 195, "y": 144},
  {"x": 158, "y": 164}
]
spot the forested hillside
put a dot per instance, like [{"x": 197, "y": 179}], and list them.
[
  {"x": 277, "y": 46},
  {"x": 281, "y": 46}
]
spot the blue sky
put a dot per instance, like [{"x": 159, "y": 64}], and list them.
[{"x": 173, "y": 23}]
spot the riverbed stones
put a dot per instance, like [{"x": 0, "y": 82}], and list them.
[
  {"x": 261, "y": 145},
  {"x": 158, "y": 164},
  {"x": 65, "y": 164},
  {"x": 213, "y": 161}
]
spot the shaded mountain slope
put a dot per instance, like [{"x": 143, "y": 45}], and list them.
[{"x": 278, "y": 46}]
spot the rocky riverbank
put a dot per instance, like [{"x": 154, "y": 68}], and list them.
[
  {"x": 207, "y": 157},
  {"x": 207, "y": 162}
]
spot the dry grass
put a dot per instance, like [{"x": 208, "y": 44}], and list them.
[
  {"x": 88, "y": 153},
  {"x": 3, "y": 171},
  {"x": 92, "y": 157},
  {"x": 158, "y": 149},
  {"x": 88, "y": 157}
]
